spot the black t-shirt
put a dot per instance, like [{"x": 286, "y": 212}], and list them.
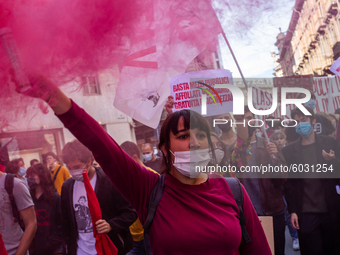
[
  {"x": 314, "y": 199},
  {"x": 48, "y": 238},
  {"x": 155, "y": 165}
]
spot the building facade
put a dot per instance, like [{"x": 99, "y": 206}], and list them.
[
  {"x": 312, "y": 41},
  {"x": 34, "y": 133}
]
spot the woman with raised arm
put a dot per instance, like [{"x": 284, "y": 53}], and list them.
[{"x": 195, "y": 215}]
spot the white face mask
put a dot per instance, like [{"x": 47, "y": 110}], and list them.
[
  {"x": 219, "y": 155},
  {"x": 190, "y": 163},
  {"x": 77, "y": 174}
]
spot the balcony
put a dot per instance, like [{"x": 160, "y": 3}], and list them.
[
  {"x": 313, "y": 38},
  {"x": 336, "y": 50},
  {"x": 313, "y": 41},
  {"x": 331, "y": 7},
  {"x": 320, "y": 25}
]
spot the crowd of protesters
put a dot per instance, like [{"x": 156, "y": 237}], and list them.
[{"x": 197, "y": 212}]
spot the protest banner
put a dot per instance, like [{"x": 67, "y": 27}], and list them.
[
  {"x": 263, "y": 100},
  {"x": 327, "y": 93},
  {"x": 325, "y": 89},
  {"x": 297, "y": 81},
  {"x": 187, "y": 90}
]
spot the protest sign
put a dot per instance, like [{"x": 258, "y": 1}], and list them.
[
  {"x": 327, "y": 93},
  {"x": 267, "y": 225},
  {"x": 187, "y": 90},
  {"x": 325, "y": 89},
  {"x": 296, "y": 81},
  {"x": 263, "y": 100},
  {"x": 335, "y": 68}
]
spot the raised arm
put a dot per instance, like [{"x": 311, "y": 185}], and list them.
[{"x": 131, "y": 180}]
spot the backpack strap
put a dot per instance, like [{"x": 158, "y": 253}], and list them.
[
  {"x": 9, "y": 185},
  {"x": 55, "y": 176},
  {"x": 155, "y": 198},
  {"x": 236, "y": 189}
]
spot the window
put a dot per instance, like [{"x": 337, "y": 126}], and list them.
[{"x": 90, "y": 85}]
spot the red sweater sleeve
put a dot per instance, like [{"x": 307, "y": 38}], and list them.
[
  {"x": 134, "y": 182},
  {"x": 259, "y": 243}
]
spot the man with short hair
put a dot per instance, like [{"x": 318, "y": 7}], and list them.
[
  {"x": 16, "y": 241},
  {"x": 117, "y": 213},
  {"x": 33, "y": 162},
  {"x": 17, "y": 167},
  {"x": 59, "y": 173},
  {"x": 136, "y": 228},
  {"x": 150, "y": 159},
  {"x": 314, "y": 202}
]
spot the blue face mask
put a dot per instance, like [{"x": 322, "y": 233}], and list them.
[
  {"x": 22, "y": 171},
  {"x": 304, "y": 129},
  {"x": 258, "y": 134},
  {"x": 311, "y": 103},
  {"x": 147, "y": 157}
]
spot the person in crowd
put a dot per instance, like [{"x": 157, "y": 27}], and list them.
[
  {"x": 48, "y": 238},
  {"x": 335, "y": 118},
  {"x": 272, "y": 125},
  {"x": 33, "y": 162},
  {"x": 195, "y": 215},
  {"x": 265, "y": 193},
  {"x": 220, "y": 149},
  {"x": 228, "y": 135},
  {"x": 331, "y": 119},
  {"x": 150, "y": 159},
  {"x": 16, "y": 240},
  {"x": 322, "y": 126},
  {"x": 21, "y": 162},
  {"x": 258, "y": 132},
  {"x": 117, "y": 213},
  {"x": 279, "y": 138},
  {"x": 141, "y": 246},
  {"x": 59, "y": 173},
  {"x": 313, "y": 203},
  {"x": 17, "y": 167}
]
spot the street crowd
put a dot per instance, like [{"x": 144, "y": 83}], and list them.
[{"x": 157, "y": 204}]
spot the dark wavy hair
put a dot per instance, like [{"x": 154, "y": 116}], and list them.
[
  {"x": 192, "y": 120},
  {"x": 46, "y": 181}
]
